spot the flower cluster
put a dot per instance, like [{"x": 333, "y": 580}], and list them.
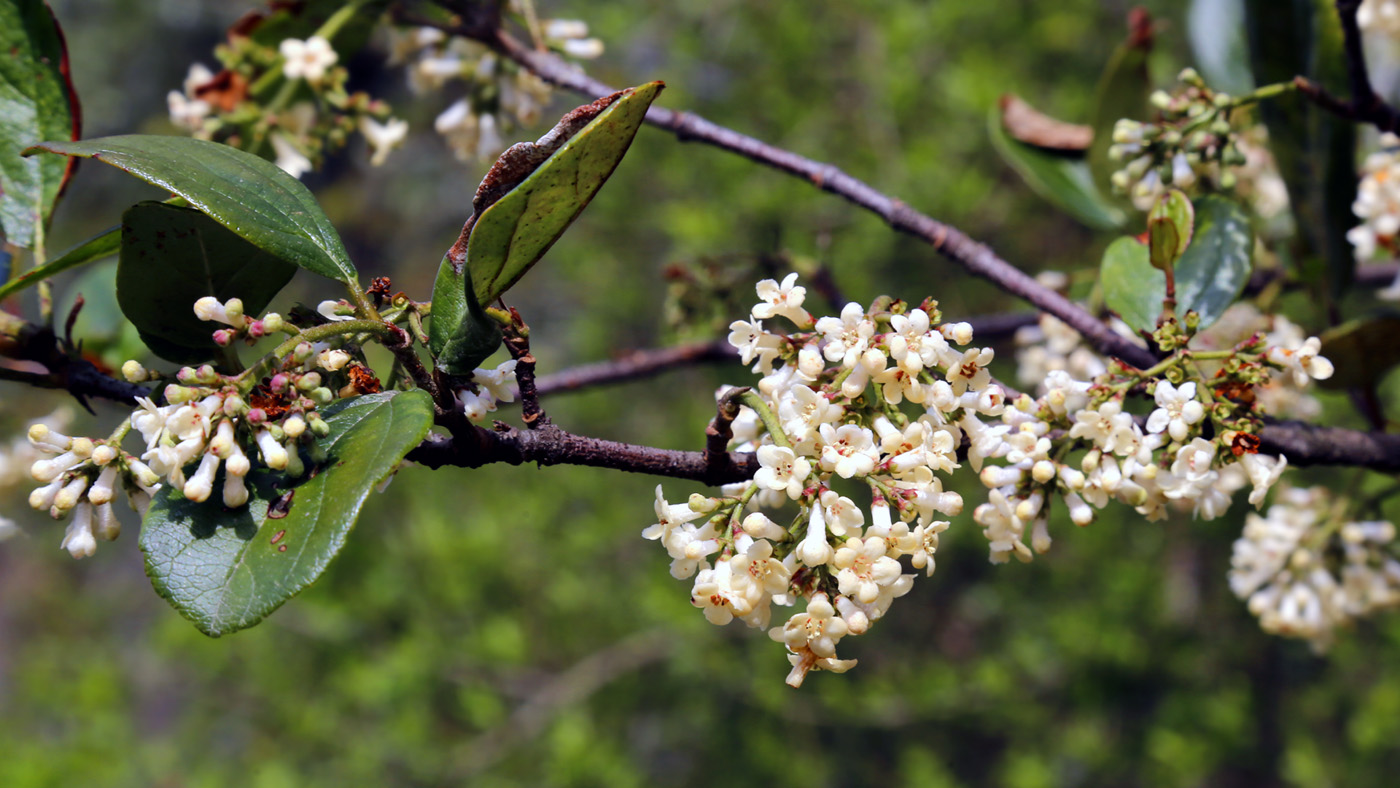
[
  {"x": 1377, "y": 205},
  {"x": 891, "y": 399},
  {"x": 1193, "y": 139},
  {"x": 1306, "y": 571},
  {"x": 208, "y": 424},
  {"x": 310, "y": 115},
  {"x": 499, "y": 93}
]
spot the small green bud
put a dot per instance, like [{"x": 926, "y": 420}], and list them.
[
  {"x": 323, "y": 396},
  {"x": 1160, "y": 99}
]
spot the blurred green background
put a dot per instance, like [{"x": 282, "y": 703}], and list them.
[{"x": 508, "y": 626}]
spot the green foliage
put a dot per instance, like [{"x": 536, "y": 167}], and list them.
[
  {"x": 1066, "y": 182},
  {"x": 1122, "y": 92},
  {"x": 98, "y": 247},
  {"x": 226, "y": 570},
  {"x": 173, "y": 256},
  {"x": 36, "y": 103},
  {"x": 1210, "y": 274},
  {"x": 515, "y": 229},
  {"x": 250, "y": 196}
]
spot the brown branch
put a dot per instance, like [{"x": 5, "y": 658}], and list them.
[
  {"x": 1365, "y": 105},
  {"x": 636, "y": 365},
  {"x": 473, "y": 447},
  {"x": 516, "y": 337},
  {"x": 721, "y": 430},
  {"x": 25, "y": 341}
]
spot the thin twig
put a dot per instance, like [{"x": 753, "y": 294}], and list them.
[
  {"x": 516, "y": 337},
  {"x": 721, "y": 430},
  {"x": 1364, "y": 105}
]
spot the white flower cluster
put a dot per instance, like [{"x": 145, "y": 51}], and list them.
[
  {"x": 1306, "y": 572},
  {"x": 492, "y": 386},
  {"x": 885, "y": 398},
  {"x": 1378, "y": 207},
  {"x": 501, "y": 93},
  {"x": 209, "y": 419}
]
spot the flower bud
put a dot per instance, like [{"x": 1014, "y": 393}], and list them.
[
  {"x": 45, "y": 439},
  {"x": 134, "y": 372},
  {"x": 106, "y": 526}
]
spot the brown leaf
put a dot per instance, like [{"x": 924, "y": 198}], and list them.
[{"x": 1025, "y": 124}]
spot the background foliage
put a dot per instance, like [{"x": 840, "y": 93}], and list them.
[{"x": 509, "y": 624}]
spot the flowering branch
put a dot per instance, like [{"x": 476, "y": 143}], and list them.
[{"x": 1364, "y": 106}]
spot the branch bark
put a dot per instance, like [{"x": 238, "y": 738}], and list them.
[{"x": 1364, "y": 105}]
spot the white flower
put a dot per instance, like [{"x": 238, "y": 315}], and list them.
[
  {"x": 846, "y": 337},
  {"x": 752, "y": 341},
  {"x": 307, "y": 59},
  {"x": 804, "y": 410},
  {"x": 383, "y": 137},
  {"x": 782, "y": 300},
  {"x": 1263, "y": 472},
  {"x": 914, "y": 346},
  {"x": 186, "y": 109},
  {"x": 782, "y": 470},
  {"x": 78, "y": 539},
  {"x": 1177, "y": 410},
  {"x": 1106, "y": 426},
  {"x": 1304, "y": 361},
  {"x": 864, "y": 567},
  {"x": 815, "y": 550},
  {"x": 849, "y": 450},
  {"x": 970, "y": 371}
]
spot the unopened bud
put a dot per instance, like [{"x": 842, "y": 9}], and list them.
[{"x": 133, "y": 371}]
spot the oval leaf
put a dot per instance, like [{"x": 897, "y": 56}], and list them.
[
  {"x": 37, "y": 102},
  {"x": 1169, "y": 227},
  {"x": 1065, "y": 182},
  {"x": 1131, "y": 286},
  {"x": 1214, "y": 269},
  {"x": 170, "y": 258},
  {"x": 527, "y": 201},
  {"x": 1210, "y": 275},
  {"x": 227, "y": 570},
  {"x": 250, "y": 196}
]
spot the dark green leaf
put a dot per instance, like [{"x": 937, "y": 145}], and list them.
[
  {"x": 1065, "y": 182},
  {"x": 227, "y": 570},
  {"x": 1122, "y": 92},
  {"x": 250, "y": 196},
  {"x": 37, "y": 102},
  {"x": 89, "y": 251},
  {"x": 517, "y": 229},
  {"x": 1131, "y": 286},
  {"x": 530, "y": 196},
  {"x": 1315, "y": 149},
  {"x": 1214, "y": 269},
  {"x": 1169, "y": 227},
  {"x": 1209, "y": 276},
  {"x": 172, "y": 257},
  {"x": 1216, "y": 31}
]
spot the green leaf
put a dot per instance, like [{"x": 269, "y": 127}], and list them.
[
  {"x": 1362, "y": 351},
  {"x": 1065, "y": 182},
  {"x": 1210, "y": 275},
  {"x": 1217, "y": 33},
  {"x": 1214, "y": 269},
  {"x": 225, "y": 570},
  {"x": 1122, "y": 92},
  {"x": 37, "y": 102},
  {"x": 1131, "y": 286},
  {"x": 1169, "y": 227},
  {"x": 1315, "y": 149},
  {"x": 525, "y": 203},
  {"x": 102, "y": 245},
  {"x": 172, "y": 257},
  {"x": 250, "y": 196}
]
